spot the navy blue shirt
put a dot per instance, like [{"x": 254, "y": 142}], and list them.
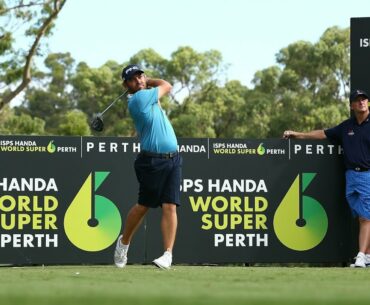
[{"x": 355, "y": 141}]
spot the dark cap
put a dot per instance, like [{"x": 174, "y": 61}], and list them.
[
  {"x": 129, "y": 71},
  {"x": 356, "y": 93}
]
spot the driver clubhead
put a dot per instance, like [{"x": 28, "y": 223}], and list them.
[{"x": 97, "y": 123}]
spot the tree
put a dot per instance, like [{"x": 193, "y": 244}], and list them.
[
  {"x": 190, "y": 70},
  {"x": 74, "y": 124},
  {"x": 36, "y": 19},
  {"x": 214, "y": 111},
  {"x": 306, "y": 89},
  {"x": 23, "y": 124},
  {"x": 192, "y": 119},
  {"x": 50, "y": 99},
  {"x": 151, "y": 62},
  {"x": 309, "y": 89},
  {"x": 95, "y": 88},
  {"x": 186, "y": 69}
]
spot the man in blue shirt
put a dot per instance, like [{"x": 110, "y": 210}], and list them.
[
  {"x": 157, "y": 167},
  {"x": 354, "y": 137}
]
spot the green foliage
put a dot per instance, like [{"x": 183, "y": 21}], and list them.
[
  {"x": 74, "y": 123},
  {"x": 153, "y": 63},
  {"x": 94, "y": 89},
  {"x": 194, "y": 120},
  {"x": 191, "y": 70},
  {"x": 51, "y": 99},
  {"x": 11, "y": 124},
  {"x": 306, "y": 89},
  {"x": 309, "y": 89},
  {"x": 33, "y": 20}
]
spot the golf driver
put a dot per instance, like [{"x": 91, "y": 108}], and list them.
[{"x": 97, "y": 123}]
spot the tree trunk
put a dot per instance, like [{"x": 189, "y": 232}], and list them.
[{"x": 26, "y": 77}]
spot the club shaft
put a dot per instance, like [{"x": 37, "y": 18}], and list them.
[{"x": 117, "y": 98}]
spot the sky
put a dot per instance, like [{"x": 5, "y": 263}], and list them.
[{"x": 247, "y": 33}]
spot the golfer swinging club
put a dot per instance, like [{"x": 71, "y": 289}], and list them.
[{"x": 157, "y": 166}]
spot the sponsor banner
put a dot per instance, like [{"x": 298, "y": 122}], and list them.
[
  {"x": 360, "y": 53},
  {"x": 261, "y": 201},
  {"x": 65, "y": 200}
]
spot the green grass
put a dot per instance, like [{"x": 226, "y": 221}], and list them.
[{"x": 99, "y": 285}]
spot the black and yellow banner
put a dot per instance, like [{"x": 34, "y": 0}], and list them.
[{"x": 65, "y": 200}]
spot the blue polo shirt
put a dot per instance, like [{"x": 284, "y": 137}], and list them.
[
  {"x": 152, "y": 125},
  {"x": 355, "y": 140}
]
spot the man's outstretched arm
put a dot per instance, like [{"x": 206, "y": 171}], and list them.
[{"x": 314, "y": 135}]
